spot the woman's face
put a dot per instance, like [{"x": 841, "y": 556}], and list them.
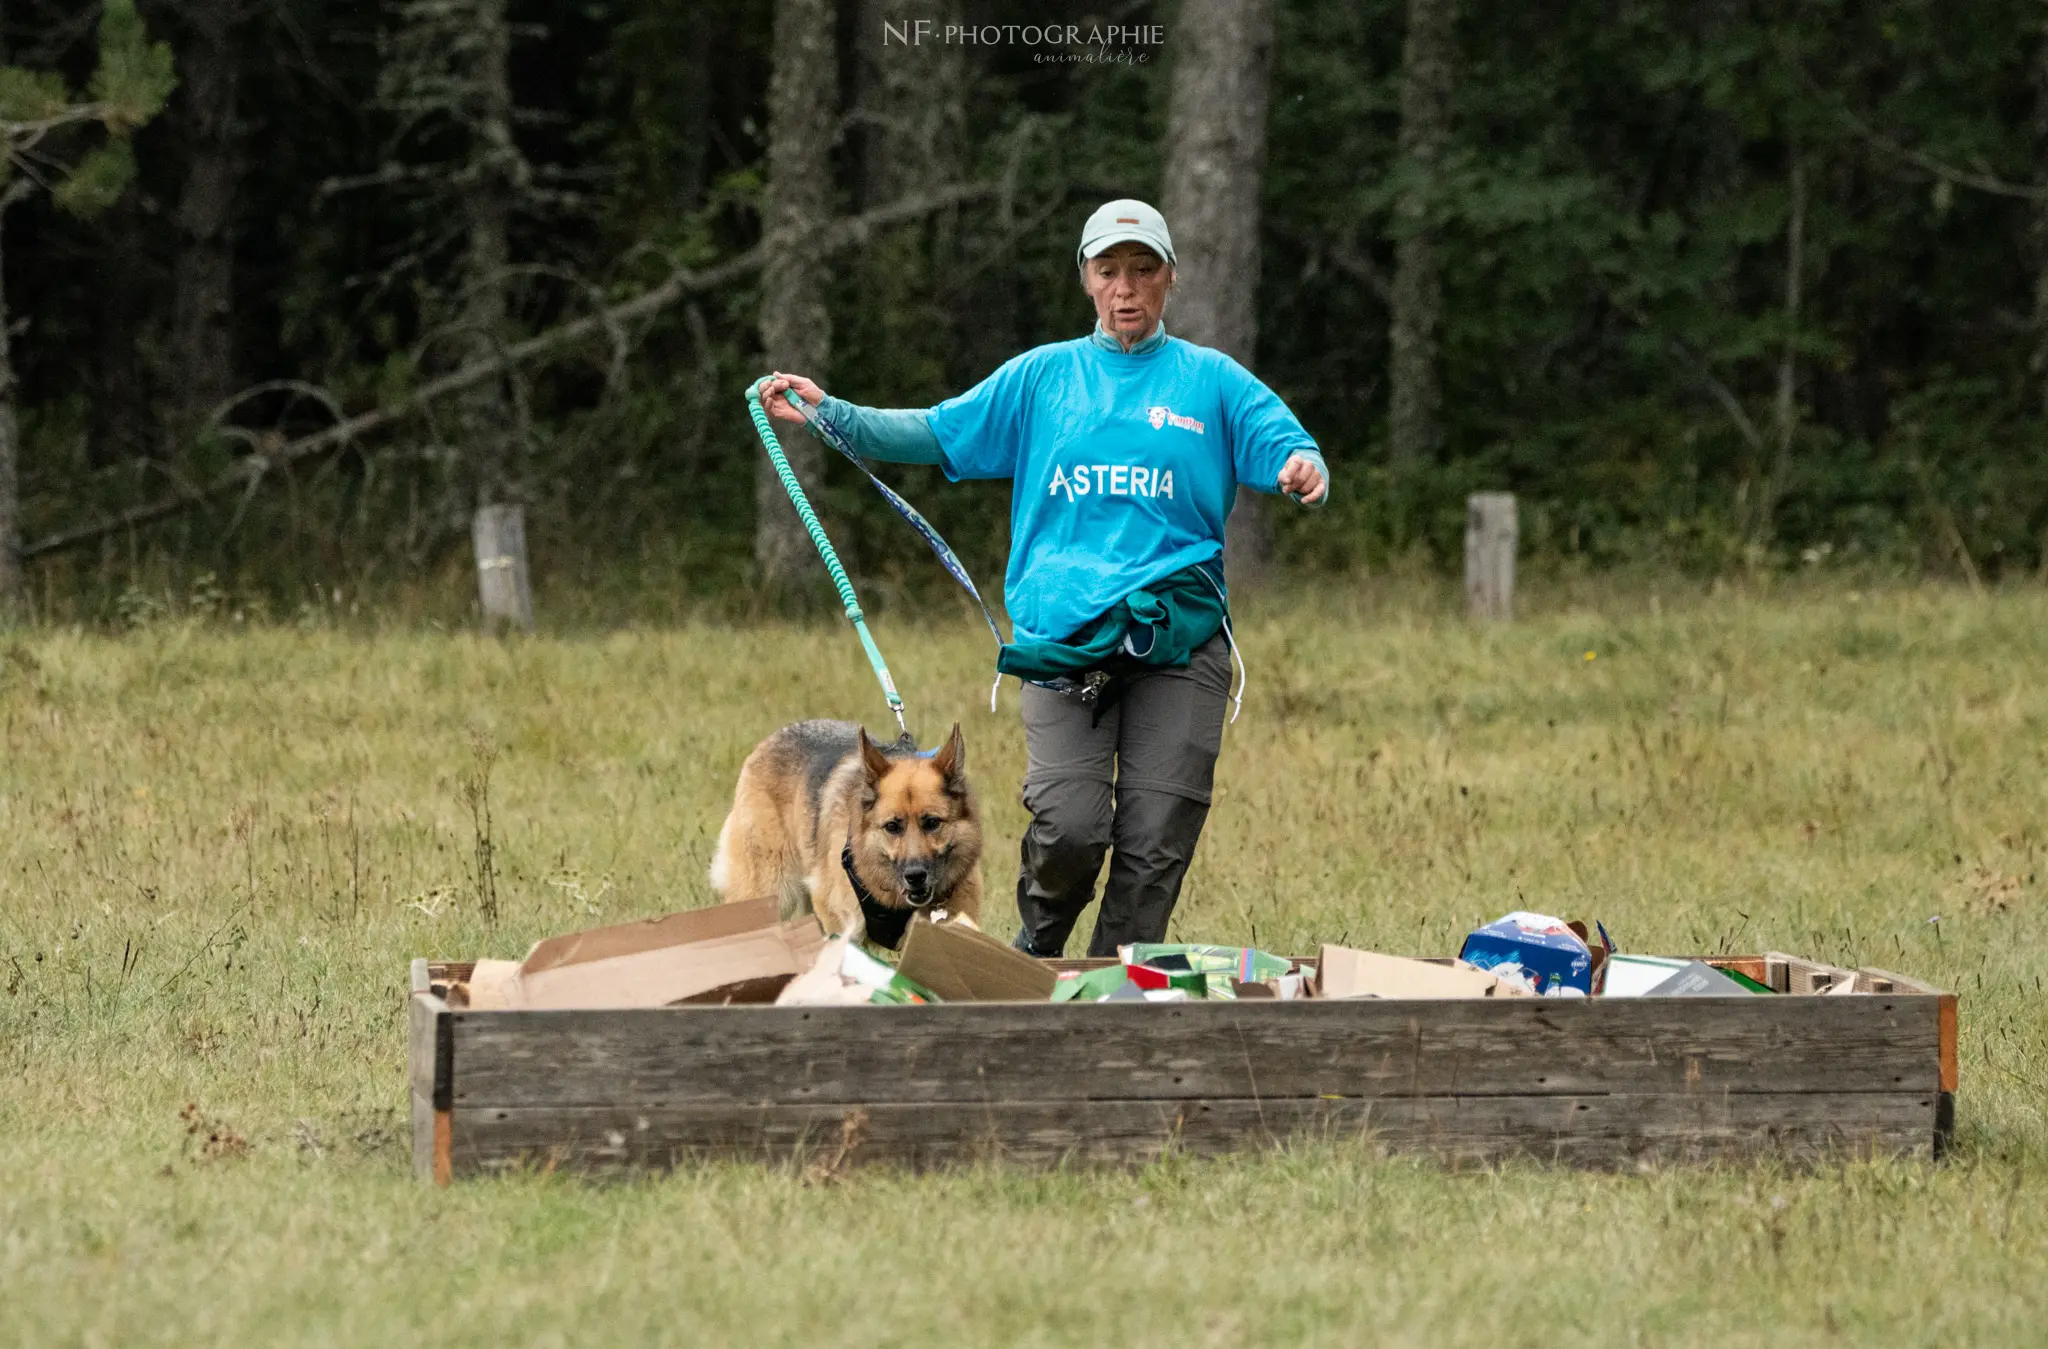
[{"x": 1128, "y": 283}]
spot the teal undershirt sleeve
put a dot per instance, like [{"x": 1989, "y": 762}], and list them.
[
  {"x": 891, "y": 435},
  {"x": 1316, "y": 457}
]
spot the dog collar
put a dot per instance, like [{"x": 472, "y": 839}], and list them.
[{"x": 885, "y": 925}]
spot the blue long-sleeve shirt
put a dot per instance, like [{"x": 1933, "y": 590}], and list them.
[{"x": 1126, "y": 463}]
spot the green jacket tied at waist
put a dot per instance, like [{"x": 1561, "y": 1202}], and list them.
[{"x": 1159, "y": 626}]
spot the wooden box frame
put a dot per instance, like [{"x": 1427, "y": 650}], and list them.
[{"x": 1590, "y": 1082}]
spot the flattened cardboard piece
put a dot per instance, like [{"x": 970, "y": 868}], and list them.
[
  {"x": 648, "y": 934},
  {"x": 963, "y": 964},
  {"x": 1342, "y": 972},
  {"x": 665, "y": 960},
  {"x": 1698, "y": 980},
  {"x": 760, "y": 991},
  {"x": 1631, "y": 976},
  {"x": 490, "y": 985}
]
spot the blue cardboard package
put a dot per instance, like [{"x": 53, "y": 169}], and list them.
[{"x": 1550, "y": 953}]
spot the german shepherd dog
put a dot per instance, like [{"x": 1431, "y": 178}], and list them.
[{"x": 823, "y": 816}]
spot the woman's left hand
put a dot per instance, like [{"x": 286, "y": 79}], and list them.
[{"x": 1300, "y": 478}]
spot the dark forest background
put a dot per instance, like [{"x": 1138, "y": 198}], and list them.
[{"x": 1711, "y": 285}]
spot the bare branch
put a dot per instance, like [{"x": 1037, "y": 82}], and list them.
[
  {"x": 1693, "y": 361},
  {"x": 1360, "y": 267},
  {"x": 681, "y": 283},
  {"x": 24, "y": 135},
  {"x": 1949, "y": 173}
]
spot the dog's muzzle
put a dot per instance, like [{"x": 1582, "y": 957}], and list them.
[{"x": 917, "y": 884}]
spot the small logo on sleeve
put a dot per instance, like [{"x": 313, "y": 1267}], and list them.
[{"x": 1162, "y": 417}]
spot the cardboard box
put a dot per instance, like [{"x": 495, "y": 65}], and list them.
[
  {"x": 489, "y": 986},
  {"x": 1698, "y": 980},
  {"x": 1550, "y": 951},
  {"x": 1344, "y": 973},
  {"x": 1630, "y": 976},
  {"x": 694, "y": 956},
  {"x": 964, "y": 964},
  {"x": 1089, "y": 985},
  {"x": 1222, "y": 967}
]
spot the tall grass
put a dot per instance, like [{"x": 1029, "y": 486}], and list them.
[{"x": 220, "y": 843}]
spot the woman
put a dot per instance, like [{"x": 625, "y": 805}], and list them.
[{"x": 1126, "y": 447}]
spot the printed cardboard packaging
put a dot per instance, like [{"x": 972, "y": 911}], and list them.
[{"x": 1551, "y": 952}]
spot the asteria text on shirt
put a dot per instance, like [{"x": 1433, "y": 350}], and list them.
[{"x": 1134, "y": 480}]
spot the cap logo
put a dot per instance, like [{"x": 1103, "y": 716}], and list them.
[{"x": 1126, "y": 220}]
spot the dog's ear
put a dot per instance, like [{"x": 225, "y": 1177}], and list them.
[
  {"x": 951, "y": 760},
  {"x": 872, "y": 758}
]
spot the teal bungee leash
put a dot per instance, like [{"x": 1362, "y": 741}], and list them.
[
  {"x": 938, "y": 545},
  {"x": 824, "y": 545}
]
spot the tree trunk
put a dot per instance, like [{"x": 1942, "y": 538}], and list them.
[
  {"x": 911, "y": 116},
  {"x": 487, "y": 212},
  {"x": 203, "y": 275},
  {"x": 2038, "y": 229},
  {"x": 912, "y": 104},
  {"x": 693, "y": 174},
  {"x": 10, "y": 469},
  {"x": 795, "y": 328},
  {"x": 1428, "y": 59},
  {"x": 1785, "y": 409},
  {"x": 131, "y": 382},
  {"x": 1215, "y": 158}
]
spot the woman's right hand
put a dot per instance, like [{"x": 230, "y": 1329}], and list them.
[{"x": 771, "y": 389}]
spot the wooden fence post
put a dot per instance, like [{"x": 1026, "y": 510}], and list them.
[
  {"x": 499, "y": 533},
  {"x": 1490, "y": 536}
]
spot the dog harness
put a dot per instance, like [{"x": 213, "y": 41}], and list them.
[{"x": 885, "y": 925}]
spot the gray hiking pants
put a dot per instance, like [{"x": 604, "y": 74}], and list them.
[{"x": 1134, "y": 785}]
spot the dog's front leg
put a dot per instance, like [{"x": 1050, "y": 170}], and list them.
[{"x": 833, "y": 900}]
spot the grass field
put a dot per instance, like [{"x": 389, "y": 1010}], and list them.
[{"x": 219, "y": 848}]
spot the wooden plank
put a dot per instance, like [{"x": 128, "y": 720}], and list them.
[
  {"x": 1805, "y": 977},
  {"x": 1755, "y": 967},
  {"x": 1579, "y": 1130},
  {"x": 1951, "y": 1066},
  {"x": 503, "y": 590},
  {"x": 442, "y": 1165},
  {"x": 1900, "y": 983},
  {"x": 972, "y": 1052},
  {"x": 422, "y": 1137},
  {"x": 1777, "y": 974},
  {"x": 430, "y": 1068},
  {"x": 1945, "y": 1021},
  {"x": 1490, "y": 541},
  {"x": 422, "y": 980},
  {"x": 424, "y": 1014}
]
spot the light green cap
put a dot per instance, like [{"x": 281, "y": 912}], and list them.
[{"x": 1121, "y": 221}]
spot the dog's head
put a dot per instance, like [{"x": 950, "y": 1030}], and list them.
[{"x": 918, "y": 834}]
